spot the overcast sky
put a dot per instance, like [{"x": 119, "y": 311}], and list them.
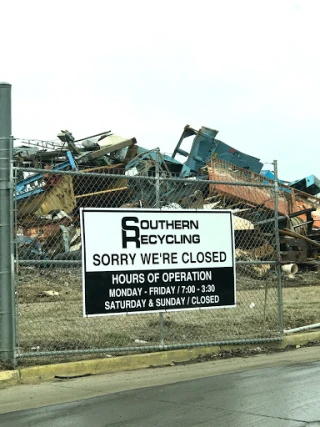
[{"x": 250, "y": 69}]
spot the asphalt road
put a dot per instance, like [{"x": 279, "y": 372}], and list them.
[{"x": 278, "y": 396}]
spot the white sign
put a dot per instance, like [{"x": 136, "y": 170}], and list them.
[{"x": 131, "y": 258}]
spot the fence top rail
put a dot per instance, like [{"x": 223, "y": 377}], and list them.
[{"x": 142, "y": 178}]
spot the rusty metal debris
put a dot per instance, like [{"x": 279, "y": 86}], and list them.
[{"x": 47, "y": 224}]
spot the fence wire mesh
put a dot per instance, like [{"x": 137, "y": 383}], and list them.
[
  {"x": 48, "y": 259},
  {"x": 299, "y": 243}
]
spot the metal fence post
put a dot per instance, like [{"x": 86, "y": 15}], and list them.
[
  {"x": 157, "y": 178},
  {"x": 161, "y": 324},
  {"x": 278, "y": 265},
  {"x": 7, "y": 291}
]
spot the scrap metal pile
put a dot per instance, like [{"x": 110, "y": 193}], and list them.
[{"x": 108, "y": 170}]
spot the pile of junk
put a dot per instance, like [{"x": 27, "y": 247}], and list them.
[{"x": 47, "y": 203}]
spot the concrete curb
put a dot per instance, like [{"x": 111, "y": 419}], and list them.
[
  {"x": 137, "y": 361},
  {"x": 9, "y": 377}
]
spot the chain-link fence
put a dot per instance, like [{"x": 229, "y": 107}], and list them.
[
  {"x": 300, "y": 249},
  {"x": 48, "y": 260},
  {"x": 41, "y": 238}
]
